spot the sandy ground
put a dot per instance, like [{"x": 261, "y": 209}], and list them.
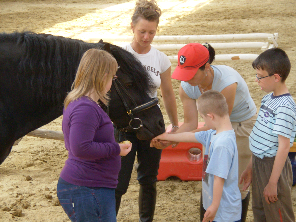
[{"x": 28, "y": 177}]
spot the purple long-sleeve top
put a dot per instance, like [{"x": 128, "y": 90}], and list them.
[{"x": 93, "y": 155}]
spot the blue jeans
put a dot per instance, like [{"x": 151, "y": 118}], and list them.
[
  {"x": 234, "y": 221},
  {"x": 87, "y": 204}
]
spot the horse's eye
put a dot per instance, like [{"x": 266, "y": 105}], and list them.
[{"x": 129, "y": 84}]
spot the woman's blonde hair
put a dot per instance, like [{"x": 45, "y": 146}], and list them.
[
  {"x": 147, "y": 10},
  {"x": 95, "y": 69}
]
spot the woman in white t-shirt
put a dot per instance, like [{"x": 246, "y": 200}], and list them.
[{"x": 144, "y": 25}]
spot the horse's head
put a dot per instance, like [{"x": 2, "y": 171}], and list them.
[
  {"x": 36, "y": 73},
  {"x": 131, "y": 108}
]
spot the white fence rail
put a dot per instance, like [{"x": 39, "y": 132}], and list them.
[
  {"x": 261, "y": 41},
  {"x": 43, "y": 133},
  {"x": 48, "y": 134}
]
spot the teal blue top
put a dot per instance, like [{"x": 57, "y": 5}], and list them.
[{"x": 244, "y": 107}]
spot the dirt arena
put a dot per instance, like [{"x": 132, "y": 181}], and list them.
[{"x": 28, "y": 177}]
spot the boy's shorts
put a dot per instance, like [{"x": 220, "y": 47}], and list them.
[{"x": 282, "y": 209}]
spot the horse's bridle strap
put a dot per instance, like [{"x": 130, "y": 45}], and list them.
[
  {"x": 131, "y": 112},
  {"x": 117, "y": 84},
  {"x": 145, "y": 106}
]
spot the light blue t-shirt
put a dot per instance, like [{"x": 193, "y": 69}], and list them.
[
  {"x": 244, "y": 107},
  {"x": 277, "y": 116},
  {"x": 221, "y": 159}
]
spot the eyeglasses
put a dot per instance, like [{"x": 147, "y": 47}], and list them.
[{"x": 258, "y": 78}]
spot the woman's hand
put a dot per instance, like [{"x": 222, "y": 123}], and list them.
[{"x": 174, "y": 130}]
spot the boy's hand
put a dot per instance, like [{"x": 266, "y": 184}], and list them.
[
  {"x": 210, "y": 214},
  {"x": 246, "y": 177},
  {"x": 159, "y": 144},
  {"x": 270, "y": 193},
  {"x": 160, "y": 137}
]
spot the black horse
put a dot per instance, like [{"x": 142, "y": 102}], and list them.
[{"x": 37, "y": 71}]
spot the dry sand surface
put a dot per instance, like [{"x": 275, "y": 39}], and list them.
[{"x": 28, "y": 177}]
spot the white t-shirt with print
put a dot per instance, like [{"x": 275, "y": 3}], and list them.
[{"x": 155, "y": 62}]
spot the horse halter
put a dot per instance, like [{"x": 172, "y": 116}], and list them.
[{"x": 120, "y": 89}]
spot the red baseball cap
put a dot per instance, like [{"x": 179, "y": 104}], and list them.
[{"x": 190, "y": 58}]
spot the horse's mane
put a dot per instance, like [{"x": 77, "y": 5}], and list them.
[{"x": 50, "y": 62}]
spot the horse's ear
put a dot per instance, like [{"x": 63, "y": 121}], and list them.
[{"x": 106, "y": 47}]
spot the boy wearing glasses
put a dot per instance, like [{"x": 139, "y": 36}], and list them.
[{"x": 270, "y": 169}]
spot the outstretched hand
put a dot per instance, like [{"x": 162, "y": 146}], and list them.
[{"x": 160, "y": 142}]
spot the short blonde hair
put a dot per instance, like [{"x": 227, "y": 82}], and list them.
[
  {"x": 146, "y": 9},
  {"x": 95, "y": 69},
  {"x": 212, "y": 102}
]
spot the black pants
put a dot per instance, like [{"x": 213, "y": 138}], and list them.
[{"x": 148, "y": 162}]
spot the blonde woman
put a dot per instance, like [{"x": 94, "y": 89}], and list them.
[
  {"x": 144, "y": 25},
  {"x": 86, "y": 187}
]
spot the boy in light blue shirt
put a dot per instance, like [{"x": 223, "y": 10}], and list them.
[
  {"x": 270, "y": 169},
  {"x": 221, "y": 195}
]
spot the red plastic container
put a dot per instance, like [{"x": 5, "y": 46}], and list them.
[{"x": 185, "y": 161}]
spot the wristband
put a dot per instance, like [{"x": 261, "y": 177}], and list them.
[{"x": 173, "y": 126}]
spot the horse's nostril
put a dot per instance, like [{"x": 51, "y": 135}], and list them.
[{"x": 161, "y": 123}]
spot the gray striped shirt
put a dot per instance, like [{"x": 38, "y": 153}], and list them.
[{"x": 277, "y": 116}]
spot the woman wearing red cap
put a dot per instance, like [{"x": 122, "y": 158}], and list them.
[
  {"x": 198, "y": 76},
  {"x": 144, "y": 25}
]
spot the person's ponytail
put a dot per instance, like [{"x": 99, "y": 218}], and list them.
[{"x": 211, "y": 52}]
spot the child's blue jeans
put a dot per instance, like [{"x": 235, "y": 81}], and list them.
[
  {"x": 87, "y": 203},
  {"x": 234, "y": 221}
]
